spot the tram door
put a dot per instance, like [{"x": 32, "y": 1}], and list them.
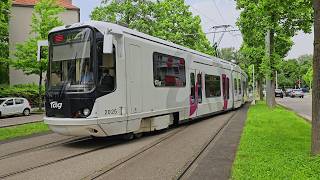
[
  {"x": 195, "y": 91},
  {"x": 225, "y": 91},
  {"x": 134, "y": 80}
]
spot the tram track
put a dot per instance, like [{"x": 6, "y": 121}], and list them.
[
  {"x": 117, "y": 163},
  {"x": 100, "y": 173},
  {"x": 122, "y": 161},
  {"x": 96, "y": 174},
  {"x": 60, "y": 159},
  {"x": 185, "y": 169},
  {"x": 45, "y": 146}
]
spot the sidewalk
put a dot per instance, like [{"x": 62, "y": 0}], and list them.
[{"x": 216, "y": 162}]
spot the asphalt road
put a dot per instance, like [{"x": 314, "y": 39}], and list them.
[
  {"x": 303, "y": 106},
  {"x": 16, "y": 120}
]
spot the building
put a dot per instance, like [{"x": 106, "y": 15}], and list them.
[{"x": 20, "y": 27}]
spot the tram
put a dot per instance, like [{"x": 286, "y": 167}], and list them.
[{"x": 104, "y": 79}]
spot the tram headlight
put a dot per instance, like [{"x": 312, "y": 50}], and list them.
[{"x": 86, "y": 112}]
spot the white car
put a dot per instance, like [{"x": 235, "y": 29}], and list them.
[{"x": 11, "y": 106}]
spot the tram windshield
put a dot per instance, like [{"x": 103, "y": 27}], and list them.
[{"x": 70, "y": 63}]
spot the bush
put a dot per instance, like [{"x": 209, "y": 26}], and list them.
[{"x": 28, "y": 91}]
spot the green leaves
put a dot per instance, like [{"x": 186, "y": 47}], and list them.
[
  {"x": 168, "y": 19},
  {"x": 44, "y": 18},
  {"x": 5, "y": 6},
  {"x": 285, "y": 18}
]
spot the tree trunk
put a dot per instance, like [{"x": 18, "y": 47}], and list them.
[
  {"x": 260, "y": 89},
  {"x": 270, "y": 82},
  {"x": 40, "y": 90},
  {"x": 315, "y": 146},
  {"x": 270, "y": 92}
]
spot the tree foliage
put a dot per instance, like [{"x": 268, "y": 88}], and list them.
[
  {"x": 5, "y": 6},
  {"x": 228, "y": 53},
  {"x": 44, "y": 18},
  {"x": 168, "y": 19},
  {"x": 283, "y": 19}
]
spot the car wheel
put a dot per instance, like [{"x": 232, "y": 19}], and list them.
[
  {"x": 0, "y": 113},
  {"x": 26, "y": 112}
]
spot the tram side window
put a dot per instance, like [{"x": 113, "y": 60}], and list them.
[
  {"x": 107, "y": 70},
  {"x": 212, "y": 86},
  {"x": 199, "y": 80},
  {"x": 192, "y": 85},
  {"x": 239, "y": 83},
  {"x": 235, "y": 85},
  {"x": 227, "y": 89},
  {"x": 168, "y": 71}
]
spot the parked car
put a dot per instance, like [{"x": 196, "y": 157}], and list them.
[
  {"x": 305, "y": 90},
  {"x": 287, "y": 92},
  {"x": 278, "y": 93},
  {"x": 12, "y": 106},
  {"x": 297, "y": 93}
]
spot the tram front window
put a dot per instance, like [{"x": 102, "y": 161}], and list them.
[{"x": 71, "y": 65}]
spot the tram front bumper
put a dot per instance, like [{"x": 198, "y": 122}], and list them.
[{"x": 75, "y": 127}]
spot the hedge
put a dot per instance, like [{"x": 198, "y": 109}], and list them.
[{"x": 28, "y": 91}]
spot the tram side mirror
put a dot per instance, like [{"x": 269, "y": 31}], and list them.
[{"x": 107, "y": 44}]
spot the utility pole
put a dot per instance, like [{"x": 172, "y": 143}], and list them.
[{"x": 315, "y": 146}]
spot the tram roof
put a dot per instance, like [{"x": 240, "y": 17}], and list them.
[{"x": 118, "y": 29}]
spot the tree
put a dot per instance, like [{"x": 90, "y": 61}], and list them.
[
  {"x": 282, "y": 19},
  {"x": 315, "y": 146},
  {"x": 5, "y": 6},
  {"x": 308, "y": 77},
  {"x": 228, "y": 53},
  {"x": 44, "y": 18},
  {"x": 168, "y": 19}
]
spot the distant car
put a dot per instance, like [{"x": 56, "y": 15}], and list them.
[
  {"x": 297, "y": 93},
  {"x": 278, "y": 93},
  {"x": 287, "y": 92},
  {"x": 305, "y": 90},
  {"x": 12, "y": 106}
]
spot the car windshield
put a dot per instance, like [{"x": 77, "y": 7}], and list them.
[{"x": 71, "y": 67}]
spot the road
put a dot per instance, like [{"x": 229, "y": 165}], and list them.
[
  {"x": 16, "y": 120},
  {"x": 303, "y": 106},
  {"x": 179, "y": 152}
]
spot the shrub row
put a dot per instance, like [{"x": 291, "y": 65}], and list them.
[{"x": 29, "y": 91}]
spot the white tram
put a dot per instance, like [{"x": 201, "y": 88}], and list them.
[{"x": 104, "y": 79}]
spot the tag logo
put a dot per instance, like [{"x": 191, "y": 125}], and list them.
[{"x": 55, "y": 105}]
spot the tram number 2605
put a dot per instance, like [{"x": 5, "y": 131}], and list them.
[{"x": 111, "y": 111}]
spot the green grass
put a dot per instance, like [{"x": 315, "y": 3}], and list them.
[
  {"x": 22, "y": 130},
  {"x": 275, "y": 144}
]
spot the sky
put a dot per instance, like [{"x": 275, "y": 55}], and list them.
[{"x": 213, "y": 13}]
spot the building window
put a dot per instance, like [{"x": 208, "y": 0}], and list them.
[
  {"x": 213, "y": 86},
  {"x": 168, "y": 71}
]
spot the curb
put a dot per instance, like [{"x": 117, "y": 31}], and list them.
[{"x": 299, "y": 115}]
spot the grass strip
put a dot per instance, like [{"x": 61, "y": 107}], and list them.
[
  {"x": 275, "y": 144},
  {"x": 22, "y": 130}
]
